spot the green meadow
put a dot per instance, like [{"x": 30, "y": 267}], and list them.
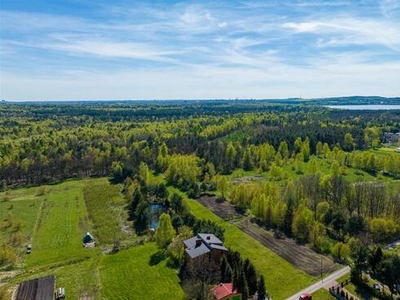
[
  {"x": 139, "y": 273},
  {"x": 54, "y": 219},
  {"x": 60, "y": 225}
]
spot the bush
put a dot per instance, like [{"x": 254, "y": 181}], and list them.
[{"x": 8, "y": 257}]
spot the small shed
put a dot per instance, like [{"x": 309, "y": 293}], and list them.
[{"x": 88, "y": 238}]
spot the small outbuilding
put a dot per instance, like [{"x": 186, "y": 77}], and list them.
[
  {"x": 226, "y": 291},
  {"x": 37, "y": 289},
  {"x": 88, "y": 240}
]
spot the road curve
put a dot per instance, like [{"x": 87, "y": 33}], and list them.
[{"x": 320, "y": 284}]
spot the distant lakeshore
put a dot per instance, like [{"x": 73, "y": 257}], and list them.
[{"x": 366, "y": 107}]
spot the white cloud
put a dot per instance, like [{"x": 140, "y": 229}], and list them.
[
  {"x": 203, "y": 50},
  {"x": 348, "y": 31}
]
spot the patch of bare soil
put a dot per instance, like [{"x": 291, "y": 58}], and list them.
[
  {"x": 300, "y": 256},
  {"x": 219, "y": 206}
]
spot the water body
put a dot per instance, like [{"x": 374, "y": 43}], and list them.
[
  {"x": 156, "y": 209},
  {"x": 366, "y": 107}
]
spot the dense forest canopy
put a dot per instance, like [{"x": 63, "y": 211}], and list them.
[{"x": 45, "y": 142}]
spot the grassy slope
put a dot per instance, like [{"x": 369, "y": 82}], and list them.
[
  {"x": 275, "y": 269},
  {"x": 130, "y": 274}
]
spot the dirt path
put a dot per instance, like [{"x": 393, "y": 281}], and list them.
[{"x": 300, "y": 256}]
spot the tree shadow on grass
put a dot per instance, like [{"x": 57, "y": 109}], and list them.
[{"x": 157, "y": 257}]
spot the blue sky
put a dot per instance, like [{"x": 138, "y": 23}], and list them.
[{"x": 120, "y": 49}]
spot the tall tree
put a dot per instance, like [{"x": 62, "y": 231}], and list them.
[{"x": 164, "y": 232}]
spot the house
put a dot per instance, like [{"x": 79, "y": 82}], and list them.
[
  {"x": 226, "y": 291},
  {"x": 202, "y": 244},
  {"x": 390, "y": 137}
]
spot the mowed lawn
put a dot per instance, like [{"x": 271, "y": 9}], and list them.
[
  {"x": 282, "y": 279},
  {"x": 322, "y": 294},
  {"x": 138, "y": 273},
  {"x": 61, "y": 223}
]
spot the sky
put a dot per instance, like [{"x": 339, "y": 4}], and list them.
[{"x": 226, "y": 49}]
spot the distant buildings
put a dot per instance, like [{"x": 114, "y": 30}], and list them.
[{"x": 390, "y": 137}]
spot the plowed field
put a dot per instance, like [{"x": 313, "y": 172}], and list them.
[{"x": 300, "y": 256}]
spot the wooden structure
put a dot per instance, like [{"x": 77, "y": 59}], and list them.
[{"x": 37, "y": 289}]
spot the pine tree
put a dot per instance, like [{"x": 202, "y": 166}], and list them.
[{"x": 261, "y": 290}]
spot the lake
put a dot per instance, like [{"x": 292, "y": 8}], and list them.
[{"x": 366, "y": 107}]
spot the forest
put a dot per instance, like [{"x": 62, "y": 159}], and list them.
[{"x": 325, "y": 177}]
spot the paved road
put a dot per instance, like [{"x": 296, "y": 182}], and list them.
[{"x": 327, "y": 281}]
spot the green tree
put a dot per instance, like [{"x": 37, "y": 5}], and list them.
[
  {"x": 283, "y": 150},
  {"x": 359, "y": 255},
  {"x": 261, "y": 289},
  {"x": 340, "y": 251},
  {"x": 302, "y": 223},
  {"x": 348, "y": 142},
  {"x": 164, "y": 232}
]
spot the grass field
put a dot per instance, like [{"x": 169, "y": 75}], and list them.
[
  {"x": 282, "y": 279},
  {"x": 21, "y": 211},
  {"x": 322, "y": 294},
  {"x": 60, "y": 225},
  {"x": 105, "y": 208},
  {"x": 139, "y": 273},
  {"x": 54, "y": 219}
]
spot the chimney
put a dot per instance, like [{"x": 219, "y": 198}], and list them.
[
  {"x": 198, "y": 242},
  {"x": 208, "y": 238}
]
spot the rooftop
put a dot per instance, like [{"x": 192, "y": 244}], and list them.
[
  {"x": 223, "y": 289},
  {"x": 202, "y": 243}
]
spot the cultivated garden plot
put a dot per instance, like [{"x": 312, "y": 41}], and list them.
[{"x": 300, "y": 256}]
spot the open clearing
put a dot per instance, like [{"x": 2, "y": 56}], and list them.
[
  {"x": 60, "y": 226},
  {"x": 139, "y": 273},
  {"x": 300, "y": 256},
  {"x": 54, "y": 218}
]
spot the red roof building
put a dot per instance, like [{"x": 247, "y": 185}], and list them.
[{"x": 226, "y": 291}]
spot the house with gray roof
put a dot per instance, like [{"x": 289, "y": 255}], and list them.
[{"x": 202, "y": 244}]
